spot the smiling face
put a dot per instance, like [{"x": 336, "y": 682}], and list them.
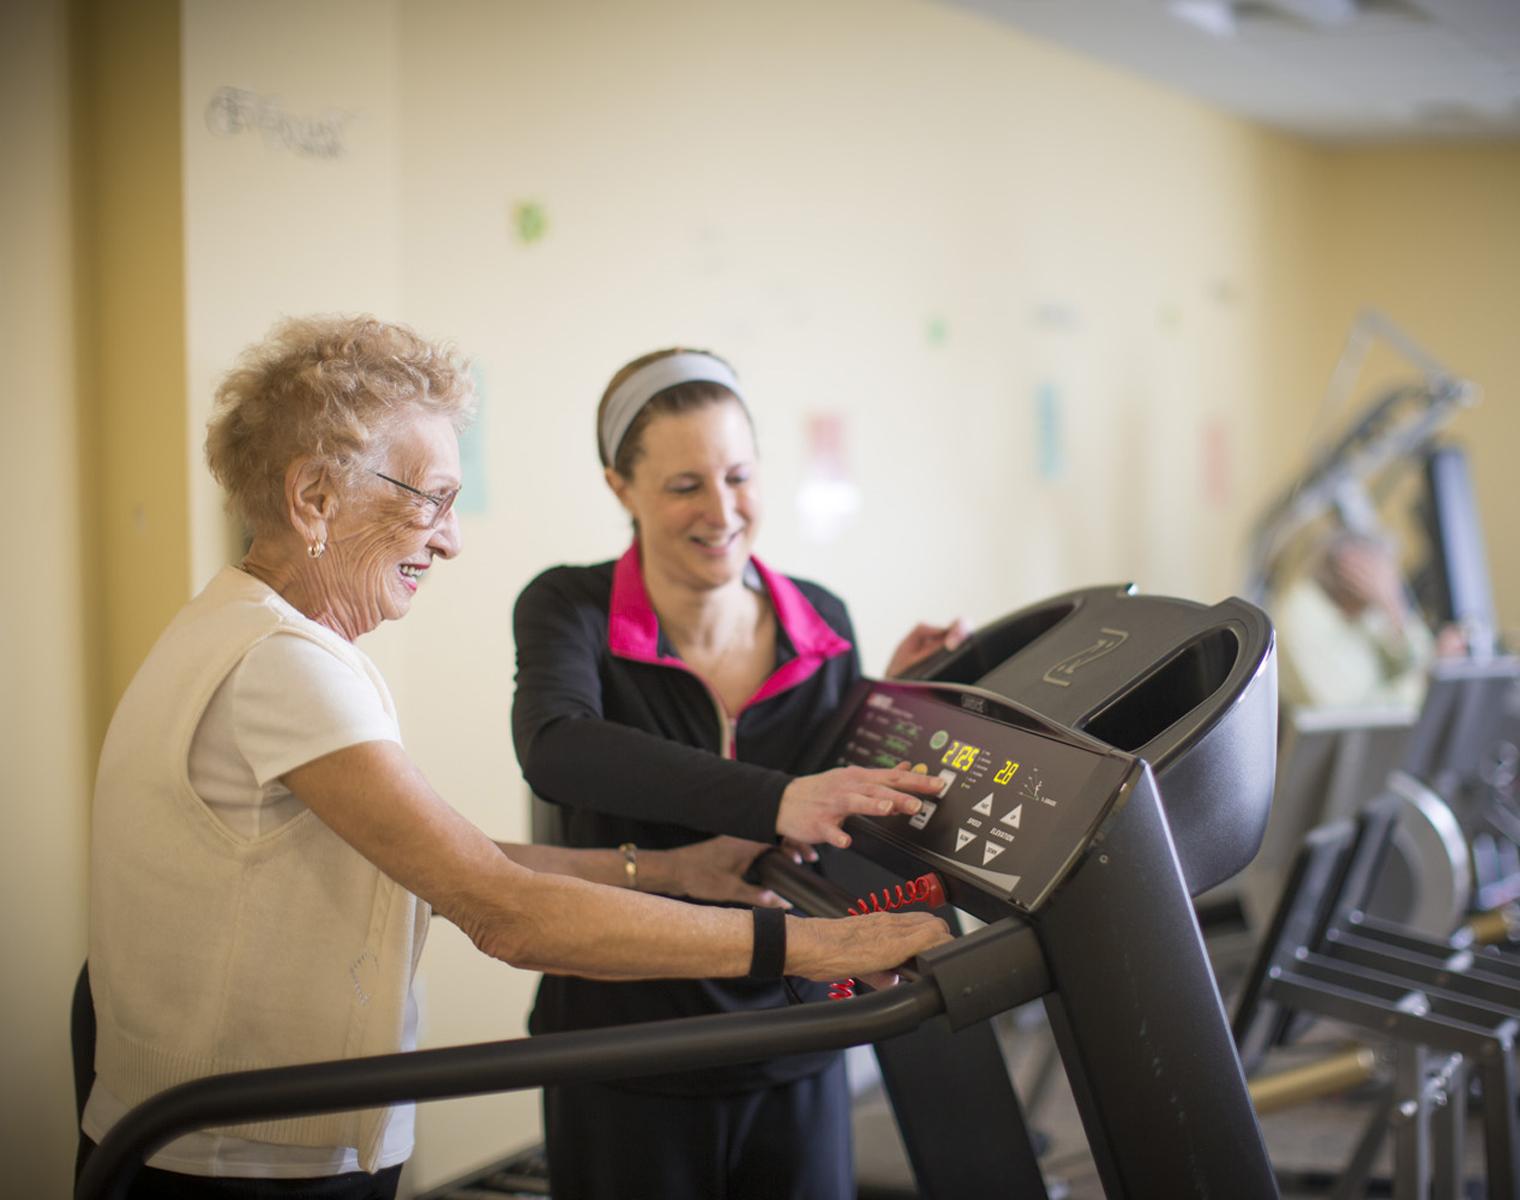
[
  {"x": 384, "y": 538},
  {"x": 695, "y": 494}
]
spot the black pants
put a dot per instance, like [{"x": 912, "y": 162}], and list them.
[
  {"x": 153, "y": 1184},
  {"x": 790, "y": 1142}
]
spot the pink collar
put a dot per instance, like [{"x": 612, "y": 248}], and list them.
[{"x": 633, "y": 627}]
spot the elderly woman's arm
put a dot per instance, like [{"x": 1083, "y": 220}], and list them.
[{"x": 374, "y": 797}]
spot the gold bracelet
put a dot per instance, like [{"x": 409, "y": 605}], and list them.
[{"x": 631, "y": 864}]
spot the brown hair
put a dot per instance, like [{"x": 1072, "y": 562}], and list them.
[
  {"x": 332, "y": 387},
  {"x": 678, "y": 398}
]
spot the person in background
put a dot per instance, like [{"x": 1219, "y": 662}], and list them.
[
  {"x": 1349, "y": 635},
  {"x": 665, "y": 697},
  {"x": 266, "y": 855}
]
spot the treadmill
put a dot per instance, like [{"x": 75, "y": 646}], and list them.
[{"x": 1106, "y": 756}]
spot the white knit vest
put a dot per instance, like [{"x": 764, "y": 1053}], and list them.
[{"x": 212, "y": 953}]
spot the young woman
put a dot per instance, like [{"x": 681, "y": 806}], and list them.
[{"x": 665, "y": 697}]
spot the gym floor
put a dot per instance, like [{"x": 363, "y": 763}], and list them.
[{"x": 1310, "y": 1145}]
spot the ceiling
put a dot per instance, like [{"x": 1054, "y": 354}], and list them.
[{"x": 1333, "y": 70}]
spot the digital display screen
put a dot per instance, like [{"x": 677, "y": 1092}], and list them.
[{"x": 1015, "y": 807}]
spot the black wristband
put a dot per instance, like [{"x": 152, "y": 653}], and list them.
[{"x": 768, "y": 959}]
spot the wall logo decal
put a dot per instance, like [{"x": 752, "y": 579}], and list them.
[{"x": 233, "y": 111}]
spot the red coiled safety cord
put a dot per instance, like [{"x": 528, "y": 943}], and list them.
[{"x": 926, "y": 889}]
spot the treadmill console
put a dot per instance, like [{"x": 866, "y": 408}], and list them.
[{"x": 1020, "y": 798}]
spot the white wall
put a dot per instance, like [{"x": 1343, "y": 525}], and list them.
[{"x": 272, "y": 230}]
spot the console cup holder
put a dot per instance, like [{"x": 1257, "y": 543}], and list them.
[
  {"x": 974, "y": 658},
  {"x": 1151, "y": 706}
]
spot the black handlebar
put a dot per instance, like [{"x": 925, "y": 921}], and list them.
[
  {"x": 994, "y": 969},
  {"x": 659, "y": 1047},
  {"x": 808, "y": 890}
]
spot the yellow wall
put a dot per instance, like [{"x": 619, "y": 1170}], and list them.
[
  {"x": 93, "y": 445},
  {"x": 44, "y": 712},
  {"x": 890, "y": 212},
  {"x": 1431, "y": 236},
  {"x": 133, "y": 321}
]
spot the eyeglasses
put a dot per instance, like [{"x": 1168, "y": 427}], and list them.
[{"x": 441, "y": 501}]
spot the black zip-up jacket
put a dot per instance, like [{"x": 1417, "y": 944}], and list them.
[{"x": 609, "y": 723}]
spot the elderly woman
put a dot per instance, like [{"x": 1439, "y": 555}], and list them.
[
  {"x": 1349, "y": 631},
  {"x": 664, "y": 697},
  {"x": 265, "y": 852}
]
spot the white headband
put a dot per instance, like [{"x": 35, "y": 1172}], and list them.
[{"x": 649, "y": 381}]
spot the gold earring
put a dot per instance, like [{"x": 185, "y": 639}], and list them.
[{"x": 316, "y": 550}]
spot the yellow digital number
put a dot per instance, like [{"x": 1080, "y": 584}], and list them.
[
  {"x": 966, "y": 759},
  {"x": 948, "y": 756},
  {"x": 1010, "y": 769}
]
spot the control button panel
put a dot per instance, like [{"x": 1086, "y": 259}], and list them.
[{"x": 1016, "y": 807}]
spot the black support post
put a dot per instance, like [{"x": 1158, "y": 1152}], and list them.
[{"x": 1140, "y": 1025}]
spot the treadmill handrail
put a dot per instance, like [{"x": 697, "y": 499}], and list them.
[{"x": 655, "y": 1047}]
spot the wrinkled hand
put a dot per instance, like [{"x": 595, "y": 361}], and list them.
[
  {"x": 714, "y": 870},
  {"x": 1368, "y": 574},
  {"x": 814, "y": 806},
  {"x": 1451, "y": 642},
  {"x": 869, "y": 946},
  {"x": 924, "y": 641}
]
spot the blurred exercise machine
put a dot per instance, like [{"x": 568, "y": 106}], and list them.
[
  {"x": 1449, "y": 775},
  {"x": 1348, "y": 476},
  {"x": 1423, "y": 823},
  {"x": 1330, "y": 765},
  {"x": 1368, "y": 930},
  {"x": 1466, "y": 746},
  {"x": 1448, "y": 1006}
]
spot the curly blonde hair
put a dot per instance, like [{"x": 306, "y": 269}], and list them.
[{"x": 329, "y": 387}]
